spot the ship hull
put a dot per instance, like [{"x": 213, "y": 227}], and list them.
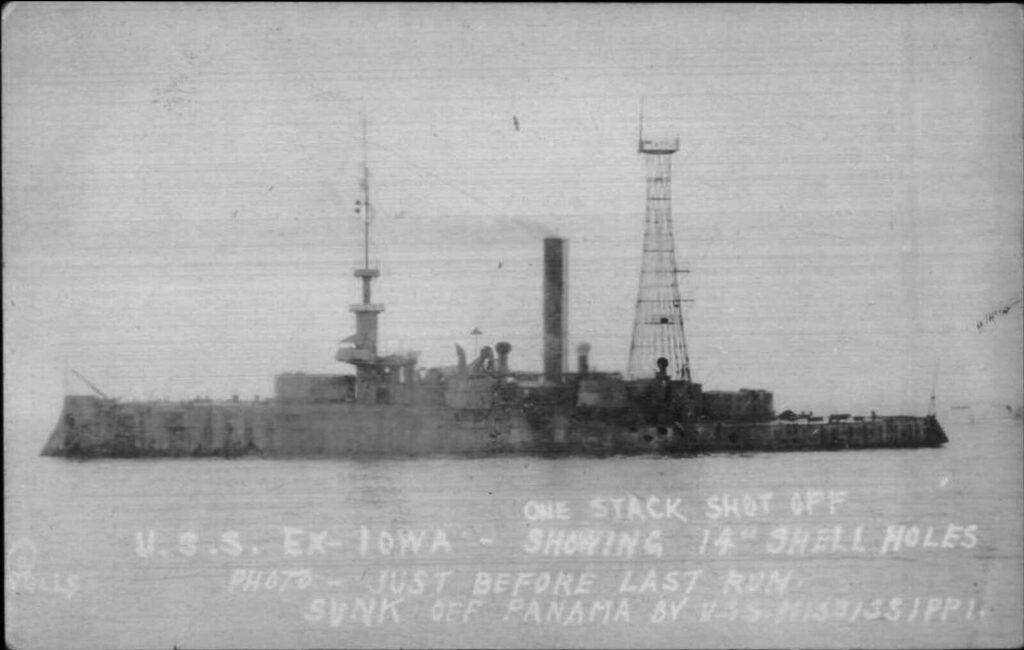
[{"x": 96, "y": 428}]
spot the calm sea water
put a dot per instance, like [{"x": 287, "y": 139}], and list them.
[{"x": 76, "y": 527}]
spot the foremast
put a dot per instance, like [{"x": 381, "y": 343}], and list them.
[
  {"x": 362, "y": 351},
  {"x": 365, "y": 338}
]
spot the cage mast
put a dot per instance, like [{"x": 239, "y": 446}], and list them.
[{"x": 658, "y": 330}]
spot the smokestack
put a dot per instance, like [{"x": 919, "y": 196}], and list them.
[
  {"x": 556, "y": 315},
  {"x": 582, "y": 351}
]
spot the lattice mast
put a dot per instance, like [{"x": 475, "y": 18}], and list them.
[{"x": 658, "y": 325}]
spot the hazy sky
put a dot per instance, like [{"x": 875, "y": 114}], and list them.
[{"x": 178, "y": 185}]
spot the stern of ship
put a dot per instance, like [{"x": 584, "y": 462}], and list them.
[{"x": 936, "y": 435}]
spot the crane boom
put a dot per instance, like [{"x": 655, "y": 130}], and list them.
[{"x": 90, "y": 384}]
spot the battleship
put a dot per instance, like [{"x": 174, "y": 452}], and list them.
[{"x": 389, "y": 407}]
